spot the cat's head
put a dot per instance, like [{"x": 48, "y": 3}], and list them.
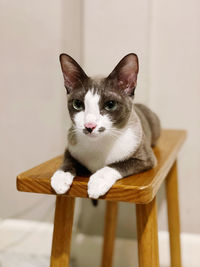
[{"x": 100, "y": 106}]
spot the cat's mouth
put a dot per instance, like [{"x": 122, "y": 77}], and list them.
[
  {"x": 95, "y": 133},
  {"x": 91, "y": 135}
]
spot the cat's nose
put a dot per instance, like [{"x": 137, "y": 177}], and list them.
[{"x": 90, "y": 126}]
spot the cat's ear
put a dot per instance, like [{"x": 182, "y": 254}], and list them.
[
  {"x": 124, "y": 75},
  {"x": 72, "y": 72}
]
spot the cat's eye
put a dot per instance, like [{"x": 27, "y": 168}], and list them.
[
  {"x": 78, "y": 104},
  {"x": 110, "y": 105}
]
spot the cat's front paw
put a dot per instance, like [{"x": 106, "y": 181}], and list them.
[
  {"x": 101, "y": 181},
  {"x": 61, "y": 181}
]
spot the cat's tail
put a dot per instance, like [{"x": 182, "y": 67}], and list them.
[{"x": 153, "y": 122}]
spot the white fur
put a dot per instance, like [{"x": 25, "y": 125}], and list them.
[
  {"x": 95, "y": 153},
  {"x": 101, "y": 181},
  {"x": 61, "y": 181},
  {"x": 92, "y": 112},
  {"x": 79, "y": 121}
]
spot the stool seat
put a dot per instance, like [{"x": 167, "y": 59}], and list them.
[{"x": 139, "y": 188}]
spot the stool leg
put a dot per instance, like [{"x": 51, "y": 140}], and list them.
[
  {"x": 63, "y": 221},
  {"x": 147, "y": 232},
  {"x": 173, "y": 216},
  {"x": 109, "y": 233}
]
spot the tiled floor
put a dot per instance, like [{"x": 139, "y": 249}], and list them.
[{"x": 28, "y": 244}]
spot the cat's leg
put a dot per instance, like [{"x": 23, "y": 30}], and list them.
[
  {"x": 102, "y": 180},
  {"x": 63, "y": 178}
]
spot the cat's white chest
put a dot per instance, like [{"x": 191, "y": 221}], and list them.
[{"x": 95, "y": 154}]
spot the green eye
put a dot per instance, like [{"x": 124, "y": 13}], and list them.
[
  {"x": 110, "y": 105},
  {"x": 78, "y": 104}
]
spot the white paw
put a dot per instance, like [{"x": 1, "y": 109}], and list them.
[
  {"x": 61, "y": 181},
  {"x": 101, "y": 181}
]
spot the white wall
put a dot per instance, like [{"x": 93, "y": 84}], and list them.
[
  {"x": 175, "y": 93},
  {"x": 113, "y": 29},
  {"x": 32, "y": 102},
  {"x": 166, "y": 36}
]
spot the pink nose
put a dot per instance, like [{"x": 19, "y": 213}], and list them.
[{"x": 90, "y": 126}]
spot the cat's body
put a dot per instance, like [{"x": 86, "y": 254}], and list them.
[{"x": 110, "y": 136}]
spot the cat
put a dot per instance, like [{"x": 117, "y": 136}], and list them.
[{"x": 110, "y": 136}]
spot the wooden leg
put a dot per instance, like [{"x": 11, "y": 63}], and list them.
[
  {"x": 63, "y": 221},
  {"x": 173, "y": 216},
  {"x": 109, "y": 233},
  {"x": 147, "y": 232}
]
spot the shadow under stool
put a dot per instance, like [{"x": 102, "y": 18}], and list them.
[{"x": 140, "y": 189}]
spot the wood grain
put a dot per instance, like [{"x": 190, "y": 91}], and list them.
[
  {"x": 109, "y": 233},
  {"x": 173, "y": 216},
  {"x": 147, "y": 234},
  {"x": 139, "y": 188},
  {"x": 63, "y": 221}
]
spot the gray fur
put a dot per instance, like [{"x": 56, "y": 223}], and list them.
[
  {"x": 144, "y": 158},
  {"x": 150, "y": 122}
]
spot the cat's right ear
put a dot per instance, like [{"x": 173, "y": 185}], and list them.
[{"x": 72, "y": 72}]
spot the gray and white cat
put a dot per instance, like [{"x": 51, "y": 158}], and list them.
[{"x": 110, "y": 136}]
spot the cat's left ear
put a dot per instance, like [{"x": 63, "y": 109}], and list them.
[{"x": 124, "y": 75}]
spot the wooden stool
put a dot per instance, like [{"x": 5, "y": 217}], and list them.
[{"x": 140, "y": 189}]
